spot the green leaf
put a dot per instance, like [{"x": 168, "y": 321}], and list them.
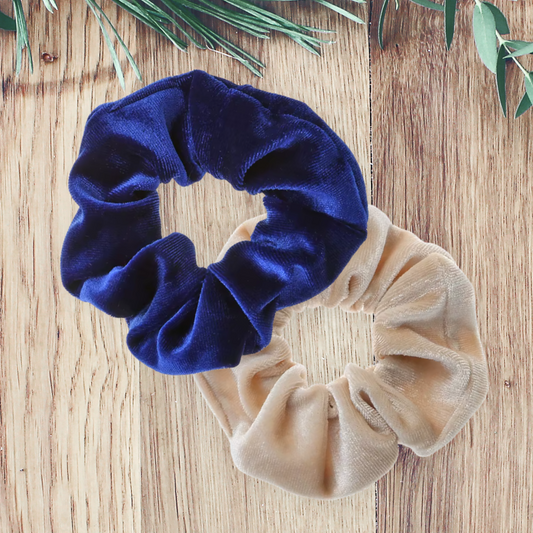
[
  {"x": 307, "y": 46},
  {"x": 213, "y": 39},
  {"x": 7, "y": 23},
  {"x": 449, "y": 20},
  {"x": 381, "y": 21},
  {"x": 107, "y": 39},
  {"x": 22, "y": 36},
  {"x": 500, "y": 79},
  {"x": 517, "y": 45},
  {"x": 429, "y": 4},
  {"x": 528, "y": 81},
  {"x": 522, "y": 51},
  {"x": 248, "y": 17},
  {"x": 50, "y": 5},
  {"x": 233, "y": 18},
  {"x": 154, "y": 18},
  {"x": 499, "y": 18},
  {"x": 523, "y": 106},
  {"x": 485, "y": 36},
  {"x": 341, "y": 11},
  {"x": 122, "y": 44}
]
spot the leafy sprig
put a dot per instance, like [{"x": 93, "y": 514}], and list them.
[
  {"x": 495, "y": 51},
  {"x": 178, "y": 22},
  {"x": 489, "y": 26}
]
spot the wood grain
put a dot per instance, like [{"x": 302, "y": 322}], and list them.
[
  {"x": 89, "y": 439},
  {"x": 448, "y": 166},
  {"x": 192, "y": 456}
]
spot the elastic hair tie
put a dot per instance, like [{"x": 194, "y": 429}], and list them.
[
  {"x": 183, "y": 318},
  {"x": 430, "y": 377}
]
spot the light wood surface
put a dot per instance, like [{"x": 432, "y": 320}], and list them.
[
  {"x": 92, "y": 441},
  {"x": 449, "y": 167}
]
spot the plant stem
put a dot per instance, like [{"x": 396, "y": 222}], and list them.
[{"x": 503, "y": 43}]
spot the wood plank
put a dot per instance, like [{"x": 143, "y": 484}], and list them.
[
  {"x": 184, "y": 451},
  {"x": 89, "y": 439},
  {"x": 448, "y": 166},
  {"x": 69, "y": 391}
]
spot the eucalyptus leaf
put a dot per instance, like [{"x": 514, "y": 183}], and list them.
[
  {"x": 499, "y": 18},
  {"x": 522, "y": 51},
  {"x": 485, "y": 36},
  {"x": 7, "y": 23},
  {"x": 381, "y": 21},
  {"x": 429, "y": 4},
  {"x": 523, "y": 106},
  {"x": 500, "y": 78},
  {"x": 528, "y": 81},
  {"x": 449, "y": 20},
  {"x": 517, "y": 45}
]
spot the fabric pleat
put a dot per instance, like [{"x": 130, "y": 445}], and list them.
[
  {"x": 183, "y": 318},
  {"x": 430, "y": 376}
]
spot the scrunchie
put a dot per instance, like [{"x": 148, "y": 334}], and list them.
[
  {"x": 183, "y": 318},
  {"x": 430, "y": 377}
]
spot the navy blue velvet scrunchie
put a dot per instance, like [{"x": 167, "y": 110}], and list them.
[{"x": 182, "y": 318}]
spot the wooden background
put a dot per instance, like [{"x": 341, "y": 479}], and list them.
[{"x": 91, "y": 441}]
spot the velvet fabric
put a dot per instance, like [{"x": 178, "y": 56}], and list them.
[
  {"x": 183, "y": 318},
  {"x": 430, "y": 376}
]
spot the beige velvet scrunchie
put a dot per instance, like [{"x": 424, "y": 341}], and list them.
[{"x": 329, "y": 441}]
